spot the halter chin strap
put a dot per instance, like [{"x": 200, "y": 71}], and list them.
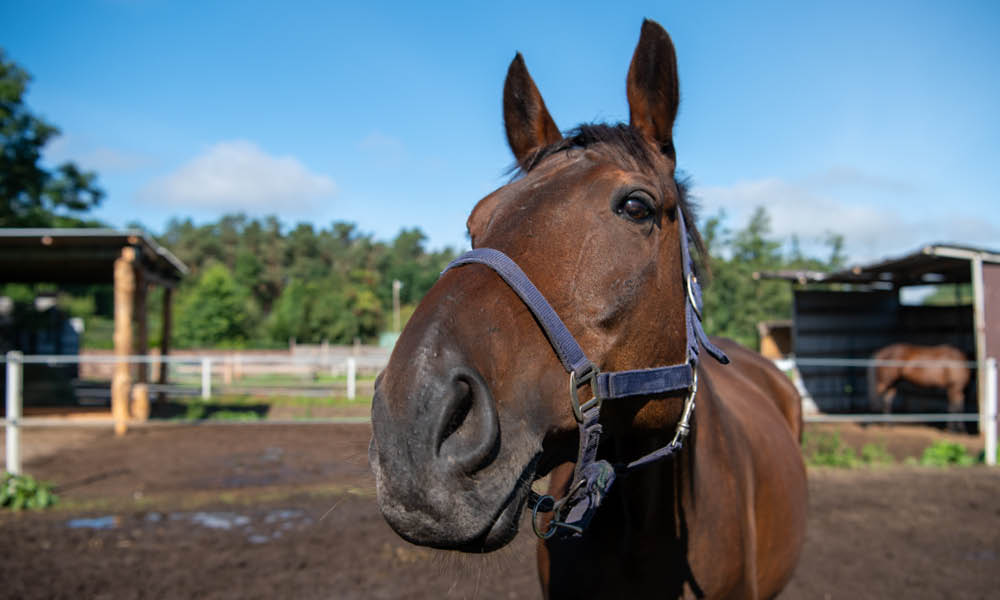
[{"x": 592, "y": 478}]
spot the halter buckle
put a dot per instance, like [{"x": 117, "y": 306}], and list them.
[
  {"x": 590, "y": 377},
  {"x": 684, "y": 424}
]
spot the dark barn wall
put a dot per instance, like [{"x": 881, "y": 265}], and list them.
[{"x": 834, "y": 324}]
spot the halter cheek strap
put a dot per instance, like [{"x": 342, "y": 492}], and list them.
[{"x": 592, "y": 478}]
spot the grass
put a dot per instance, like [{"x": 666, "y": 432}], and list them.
[
  {"x": 247, "y": 400},
  {"x": 829, "y": 450},
  {"x": 200, "y": 411}
]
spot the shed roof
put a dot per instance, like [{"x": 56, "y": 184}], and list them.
[
  {"x": 931, "y": 264},
  {"x": 81, "y": 256}
]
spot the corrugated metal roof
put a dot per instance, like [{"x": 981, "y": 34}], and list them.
[
  {"x": 931, "y": 264},
  {"x": 85, "y": 256}
]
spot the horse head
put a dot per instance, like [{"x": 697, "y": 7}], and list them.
[{"x": 473, "y": 405}]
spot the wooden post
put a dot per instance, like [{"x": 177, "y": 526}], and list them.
[
  {"x": 165, "y": 342},
  {"x": 121, "y": 381},
  {"x": 142, "y": 326},
  {"x": 140, "y": 402}
]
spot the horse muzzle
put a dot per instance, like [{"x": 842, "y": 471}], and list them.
[{"x": 443, "y": 478}]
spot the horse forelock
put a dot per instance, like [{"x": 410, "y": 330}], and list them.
[{"x": 628, "y": 147}]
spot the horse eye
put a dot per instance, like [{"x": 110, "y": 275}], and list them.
[{"x": 635, "y": 209}]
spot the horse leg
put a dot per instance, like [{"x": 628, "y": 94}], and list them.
[
  {"x": 956, "y": 404},
  {"x": 887, "y": 398}
]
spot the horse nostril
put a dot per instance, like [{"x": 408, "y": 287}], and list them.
[
  {"x": 459, "y": 408},
  {"x": 469, "y": 429}
]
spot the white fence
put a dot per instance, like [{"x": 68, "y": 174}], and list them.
[
  {"x": 201, "y": 375},
  {"x": 206, "y": 370}
]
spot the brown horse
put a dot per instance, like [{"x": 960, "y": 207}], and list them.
[
  {"x": 952, "y": 374},
  {"x": 473, "y": 406}
]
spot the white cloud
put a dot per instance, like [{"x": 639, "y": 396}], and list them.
[
  {"x": 238, "y": 175},
  {"x": 871, "y": 230}
]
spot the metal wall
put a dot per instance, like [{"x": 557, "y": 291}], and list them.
[{"x": 834, "y": 324}]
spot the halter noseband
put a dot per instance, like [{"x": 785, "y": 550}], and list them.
[{"x": 592, "y": 478}]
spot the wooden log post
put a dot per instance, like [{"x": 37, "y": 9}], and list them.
[
  {"x": 140, "y": 402},
  {"x": 165, "y": 341},
  {"x": 121, "y": 381},
  {"x": 142, "y": 326}
]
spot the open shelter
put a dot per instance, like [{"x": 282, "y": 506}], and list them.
[
  {"x": 853, "y": 312},
  {"x": 130, "y": 260}
]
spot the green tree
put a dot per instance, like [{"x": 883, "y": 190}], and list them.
[
  {"x": 212, "y": 311},
  {"x": 408, "y": 261},
  {"x": 736, "y": 299},
  {"x": 31, "y": 196}
]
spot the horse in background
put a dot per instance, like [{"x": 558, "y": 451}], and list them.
[{"x": 941, "y": 366}]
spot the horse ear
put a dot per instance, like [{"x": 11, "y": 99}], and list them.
[
  {"x": 529, "y": 125},
  {"x": 652, "y": 87}
]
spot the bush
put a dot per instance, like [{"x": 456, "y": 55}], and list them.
[
  {"x": 876, "y": 454},
  {"x": 831, "y": 451},
  {"x": 943, "y": 454},
  {"x": 23, "y": 491}
]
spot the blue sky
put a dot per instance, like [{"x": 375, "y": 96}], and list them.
[{"x": 877, "y": 120}]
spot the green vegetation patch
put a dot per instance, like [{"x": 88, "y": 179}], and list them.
[
  {"x": 829, "y": 450},
  {"x": 945, "y": 454},
  {"x": 24, "y": 491}
]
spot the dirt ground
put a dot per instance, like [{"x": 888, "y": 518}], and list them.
[{"x": 271, "y": 511}]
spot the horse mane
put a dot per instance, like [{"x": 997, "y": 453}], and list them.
[{"x": 627, "y": 146}]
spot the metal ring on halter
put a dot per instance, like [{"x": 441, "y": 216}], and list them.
[
  {"x": 554, "y": 506},
  {"x": 691, "y": 282},
  {"x": 534, "y": 517}
]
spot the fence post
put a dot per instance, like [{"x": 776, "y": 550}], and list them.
[
  {"x": 352, "y": 368},
  {"x": 14, "y": 378},
  {"x": 991, "y": 411},
  {"x": 206, "y": 378}
]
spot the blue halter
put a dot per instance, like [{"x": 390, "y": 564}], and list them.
[{"x": 592, "y": 478}]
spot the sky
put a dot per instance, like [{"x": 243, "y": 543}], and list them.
[{"x": 879, "y": 121}]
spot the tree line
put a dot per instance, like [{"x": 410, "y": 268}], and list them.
[{"x": 253, "y": 283}]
